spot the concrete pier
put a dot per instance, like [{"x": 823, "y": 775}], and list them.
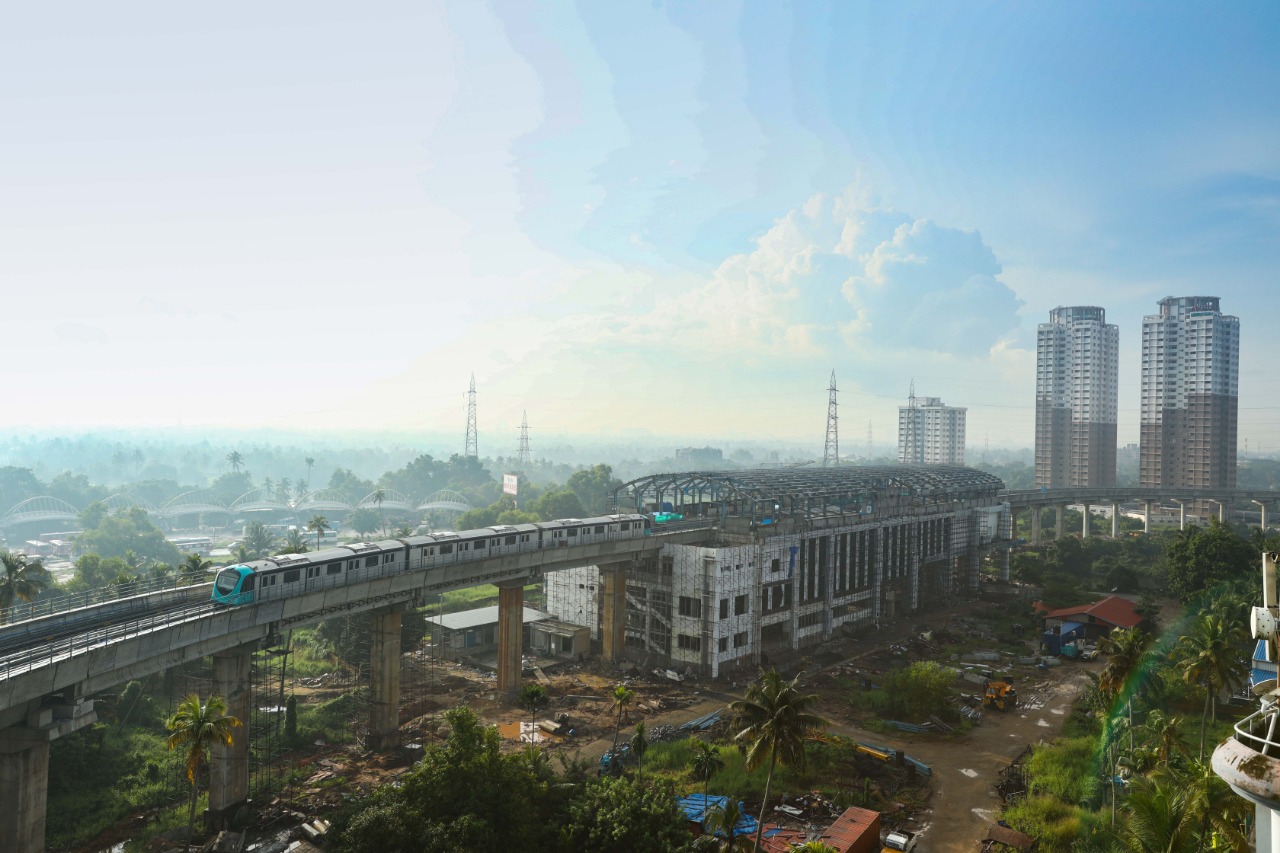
[
  {"x": 229, "y": 765},
  {"x": 1084, "y": 532},
  {"x": 510, "y": 637},
  {"x": 24, "y": 770},
  {"x": 384, "y": 679},
  {"x": 613, "y": 581},
  {"x": 1062, "y": 512},
  {"x": 1035, "y": 525},
  {"x": 1115, "y": 521}
]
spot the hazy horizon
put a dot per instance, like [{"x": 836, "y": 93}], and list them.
[{"x": 628, "y": 220}]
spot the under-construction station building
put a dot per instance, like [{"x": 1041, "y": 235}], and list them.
[{"x": 796, "y": 556}]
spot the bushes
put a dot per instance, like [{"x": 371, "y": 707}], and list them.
[
  {"x": 1059, "y": 827},
  {"x": 919, "y": 691},
  {"x": 1066, "y": 769}
]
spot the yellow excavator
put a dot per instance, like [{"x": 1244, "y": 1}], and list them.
[{"x": 1000, "y": 694}]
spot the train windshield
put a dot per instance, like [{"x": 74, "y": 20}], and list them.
[{"x": 227, "y": 580}]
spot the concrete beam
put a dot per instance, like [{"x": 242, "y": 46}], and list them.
[
  {"x": 510, "y": 638},
  {"x": 229, "y": 765},
  {"x": 384, "y": 679},
  {"x": 613, "y": 634}
]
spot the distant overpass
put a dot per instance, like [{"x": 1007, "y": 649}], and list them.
[{"x": 1147, "y": 496}]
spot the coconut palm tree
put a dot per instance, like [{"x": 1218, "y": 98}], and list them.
[
  {"x": 319, "y": 524},
  {"x": 295, "y": 542},
  {"x": 284, "y": 489},
  {"x": 723, "y": 821},
  {"x": 814, "y": 846},
  {"x": 1220, "y": 814},
  {"x": 622, "y": 696},
  {"x": 194, "y": 568},
  {"x": 639, "y": 746},
  {"x": 258, "y": 540},
  {"x": 533, "y": 697},
  {"x": 1211, "y": 658},
  {"x": 195, "y": 727},
  {"x": 235, "y": 460},
  {"x": 775, "y": 719},
  {"x": 311, "y": 463},
  {"x": 1125, "y": 648},
  {"x": 706, "y": 762},
  {"x": 23, "y": 579},
  {"x": 1167, "y": 734}
]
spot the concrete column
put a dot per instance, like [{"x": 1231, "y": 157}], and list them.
[
  {"x": 1084, "y": 533},
  {"x": 1182, "y": 516},
  {"x": 1263, "y": 507},
  {"x": 1222, "y": 511},
  {"x": 1146, "y": 516},
  {"x": 1035, "y": 525},
  {"x": 1005, "y": 560},
  {"x": 24, "y": 789},
  {"x": 1115, "y": 521},
  {"x": 510, "y": 637},
  {"x": 384, "y": 680},
  {"x": 229, "y": 765},
  {"x": 1062, "y": 512},
  {"x": 613, "y": 631}
]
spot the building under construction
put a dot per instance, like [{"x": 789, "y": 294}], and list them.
[{"x": 796, "y": 555}]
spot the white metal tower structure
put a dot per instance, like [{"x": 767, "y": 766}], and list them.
[
  {"x": 1249, "y": 761},
  {"x": 473, "y": 443},
  {"x": 831, "y": 454},
  {"x": 522, "y": 452}
]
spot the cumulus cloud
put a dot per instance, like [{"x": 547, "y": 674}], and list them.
[{"x": 840, "y": 271}]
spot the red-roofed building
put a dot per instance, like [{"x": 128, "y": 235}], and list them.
[
  {"x": 855, "y": 831},
  {"x": 1095, "y": 620}
]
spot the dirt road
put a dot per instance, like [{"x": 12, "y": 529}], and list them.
[{"x": 965, "y": 770}]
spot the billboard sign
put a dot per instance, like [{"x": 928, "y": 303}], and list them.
[{"x": 510, "y": 484}]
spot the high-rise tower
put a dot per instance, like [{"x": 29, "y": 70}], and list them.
[
  {"x": 930, "y": 433},
  {"x": 1190, "y": 375},
  {"x": 473, "y": 443},
  {"x": 831, "y": 454},
  {"x": 1077, "y": 380}
]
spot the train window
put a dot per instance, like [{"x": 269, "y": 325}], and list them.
[
  {"x": 524, "y": 537},
  {"x": 479, "y": 545},
  {"x": 464, "y": 546},
  {"x": 494, "y": 543},
  {"x": 446, "y": 549},
  {"x": 334, "y": 568},
  {"x": 511, "y": 540},
  {"x": 311, "y": 571},
  {"x": 626, "y": 525},
  {"x": 370, "y": 562},
  {"x": 573, "y": 531},
  {"x": 388, "y": 558},
  {"x": 599, "y": 528},
  {"x": 247, "y": 586},
  {"x": 352, "y": 565},
  {"x": 292, "y": 576}
]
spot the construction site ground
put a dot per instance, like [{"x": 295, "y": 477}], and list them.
[{"x": 965, "y": 766}]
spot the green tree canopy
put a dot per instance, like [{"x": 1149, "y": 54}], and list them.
[
  {"x": 128, "y": 531},
  {"x": 621, "y": 815},
  {"x": 594, "y": 487},
  {"x": 1200, "y": 558},
  {"x": 559, "y": 504}
]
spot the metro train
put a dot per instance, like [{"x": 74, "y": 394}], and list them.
[{"x": 293, "y": 574}]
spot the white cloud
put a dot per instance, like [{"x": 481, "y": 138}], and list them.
[{"x": 838, "y": 272}]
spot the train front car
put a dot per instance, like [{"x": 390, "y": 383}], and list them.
[{"x": 234, "y": 586}]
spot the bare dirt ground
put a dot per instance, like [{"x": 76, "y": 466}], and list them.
[{"x": 965, "y": 766}]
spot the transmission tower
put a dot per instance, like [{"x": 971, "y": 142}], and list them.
[
  {"x": 913, "y": 447},
  {"x": 831, "y": 455},
  {"x": 473, "y": 444},
  {"x": 522, "y": 452}
]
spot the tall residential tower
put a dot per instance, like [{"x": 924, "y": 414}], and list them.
[
  {"x": 1077, "y": 370},
  {"x": 1190, "y": 374},
  {"x": 930, "y": 433}
]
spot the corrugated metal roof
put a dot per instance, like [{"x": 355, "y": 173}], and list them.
[
  {"x": 1113, "y": 610},
  {"x": 467, "y": 619}
]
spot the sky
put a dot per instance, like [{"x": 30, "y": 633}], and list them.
[{"x": 625, "y": 219}]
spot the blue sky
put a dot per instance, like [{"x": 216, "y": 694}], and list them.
[{"x": 625, "y": 218}]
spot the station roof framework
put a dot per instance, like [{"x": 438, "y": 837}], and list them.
[{"x": 766, "y": 492}]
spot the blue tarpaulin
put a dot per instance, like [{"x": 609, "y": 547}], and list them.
[
  {"x": 697, "y": 806},
  {"x": 1071, "y": 630}
]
